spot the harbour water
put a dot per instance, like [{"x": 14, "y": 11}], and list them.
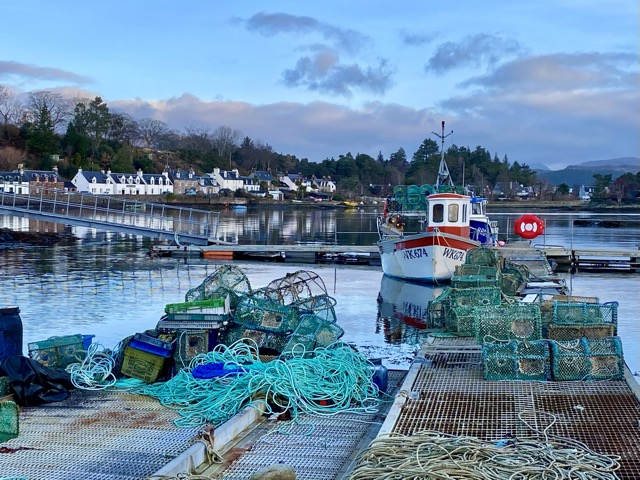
[{"x": 106, "y": 285}]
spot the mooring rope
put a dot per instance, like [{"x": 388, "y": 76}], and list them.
[
  {"x": 439, "y": 456},
  {"x": 95, "y": 370},
  {"x": 333, "y": 379}
]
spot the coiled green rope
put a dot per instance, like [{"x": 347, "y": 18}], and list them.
[{"x": 333, "y": 379}]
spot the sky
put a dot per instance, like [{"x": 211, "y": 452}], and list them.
[{"x": 546, "y": 82}]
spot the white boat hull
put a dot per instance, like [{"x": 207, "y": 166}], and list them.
[{"x": 427, "y": 257}]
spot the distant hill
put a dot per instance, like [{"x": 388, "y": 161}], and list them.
[{"x": 582, "y": 173}]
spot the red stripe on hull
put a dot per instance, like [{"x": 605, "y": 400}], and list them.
[{"x": 430, "y": 240}]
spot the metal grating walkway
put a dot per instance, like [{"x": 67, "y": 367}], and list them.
[
  {"x": 450, "y": 395},
  {"x": 317, "y": 448},
  {"x": 94, "y": 436}
]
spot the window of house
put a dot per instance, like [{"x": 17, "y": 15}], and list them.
[
  {"x": 453, "y": 212},
  {"x": 438, "y": 213}
]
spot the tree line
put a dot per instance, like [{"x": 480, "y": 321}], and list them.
[{"x": 86, "y": 134}]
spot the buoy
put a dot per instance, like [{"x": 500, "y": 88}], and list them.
[{"x": 529, "y": 226}]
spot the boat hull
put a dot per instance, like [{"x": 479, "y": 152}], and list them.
[{"x": 430, "y": 257}]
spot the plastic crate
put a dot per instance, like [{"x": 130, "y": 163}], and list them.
[
  {"x": 516, "y": 361},
  {"x": 218, "y": 306},
  {"x": 58, "y": 352},
  {"x": 142, "y": 365},
  {"x": 159, "y": 347},
  {"x": 587, "y": 359}
]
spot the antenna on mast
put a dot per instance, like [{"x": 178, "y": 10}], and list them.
[{"x": 443, "y": 171}]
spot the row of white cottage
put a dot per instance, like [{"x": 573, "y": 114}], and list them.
[{"x": 179, "y": 182}]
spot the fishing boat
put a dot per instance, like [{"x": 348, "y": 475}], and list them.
[{"x": 452, "y": 222}]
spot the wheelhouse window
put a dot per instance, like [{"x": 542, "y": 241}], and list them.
[
  {"x": 438, "y": 213},
  {"x": 453, "y": 212}
]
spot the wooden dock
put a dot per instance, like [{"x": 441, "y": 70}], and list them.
[
  {"x": 578, "y": 259},
  {"x": 299, "y": 253},
  {"x": 589, "y": 260}
]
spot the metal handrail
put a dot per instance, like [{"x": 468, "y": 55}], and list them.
[{"x": 106, "y": 211}]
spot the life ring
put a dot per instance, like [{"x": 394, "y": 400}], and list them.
[{"x": 529, "y": 226}]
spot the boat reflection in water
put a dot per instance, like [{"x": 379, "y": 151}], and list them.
[{"x": 403, "y": 310}]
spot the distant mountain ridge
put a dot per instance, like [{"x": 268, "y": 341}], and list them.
[{"x": 582, "y": 173}]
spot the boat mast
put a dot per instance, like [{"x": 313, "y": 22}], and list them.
[{"x": 444, "y": 177}]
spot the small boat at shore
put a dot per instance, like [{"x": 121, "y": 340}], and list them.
[{"x": 452, "y": 223}]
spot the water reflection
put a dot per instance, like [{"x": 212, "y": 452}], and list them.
[{"x": 403, "y": 310}]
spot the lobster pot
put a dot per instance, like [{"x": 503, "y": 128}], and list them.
[
  {"x": 574, "y": 332},
  {"x": 312, "y": 332},
  {"x": 460, "y": 320},
  {"x": 322, "y": 306},
  {"x": 587, "y": 359},
  {"x": 256, "y": 313},
  {"x": 547, "y": 303},
  {"x": 473, "y": 281},
  {"x": 400, "y": 194},
  {"x": 426, "y": 190},
  {"x": 481, "y": 256},
  {"x": 474, "y": 296},
  {"x": 474, "y": 270},
  {"x": 58, "y": 352},
  {"x": 516, "y": 361},
  {"x": 189, "y": 344},
  {"x": 507, "y": 322},
  {"x": 510, "y": 283},
  {"x": 586, "y": 314},
  {"x": 9, "y": 420}
]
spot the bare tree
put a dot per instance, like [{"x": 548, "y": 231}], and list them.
[
  {"x": 150, "y": 131},
  {"x": 197, "y": 139},
  {"x": 58, "y": 108},
  {"x": 11, "y": 109},
  {"x": 10, "y": 158},
  {"x": 225, "y": 140}
]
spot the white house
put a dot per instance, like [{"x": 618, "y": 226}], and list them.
[
  {"x": 293, "y": 181},
  {"x": 227, "y": 179},
  {"x": 108, "y": 183},
  {"x": 23, "y": 181},
  {"x": 325, "y": 185}
]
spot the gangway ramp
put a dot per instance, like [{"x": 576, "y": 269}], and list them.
[{"x": 123, "y": 215}]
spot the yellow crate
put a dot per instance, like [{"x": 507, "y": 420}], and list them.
[{"x": 141, "y": 365}]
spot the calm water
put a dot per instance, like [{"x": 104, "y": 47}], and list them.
[{"x": 105, "y": 284}]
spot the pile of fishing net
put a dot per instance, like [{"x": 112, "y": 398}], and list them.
[{"x": 220, "y": 383}]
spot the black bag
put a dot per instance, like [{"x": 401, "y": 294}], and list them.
[{"x": 35, "y": 384}]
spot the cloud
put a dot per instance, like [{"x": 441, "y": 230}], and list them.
[
  {"x": 322, "y": 72},
  {"x": 563, "y": 72},
  {"x": 416, "y": 39},
  {"x": 271, "y": 24},
  {"x": 564, "y": 104},
  {"x": 17, "y": 69},
  {"x": 473, "y": 51},
  {"x": 316, "y": 130}
]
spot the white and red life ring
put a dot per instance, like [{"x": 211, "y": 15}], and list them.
[{"x": 529, "y": 226}]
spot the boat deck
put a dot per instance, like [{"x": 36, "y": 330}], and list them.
[{"x": 448, "y": 394}]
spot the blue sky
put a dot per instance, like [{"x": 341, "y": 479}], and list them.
[{"x": 551, "y": 82}]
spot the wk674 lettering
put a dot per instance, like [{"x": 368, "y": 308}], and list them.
[
  {"x": 453, "y": 254},
  {"x": 420, "y": 252}
]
